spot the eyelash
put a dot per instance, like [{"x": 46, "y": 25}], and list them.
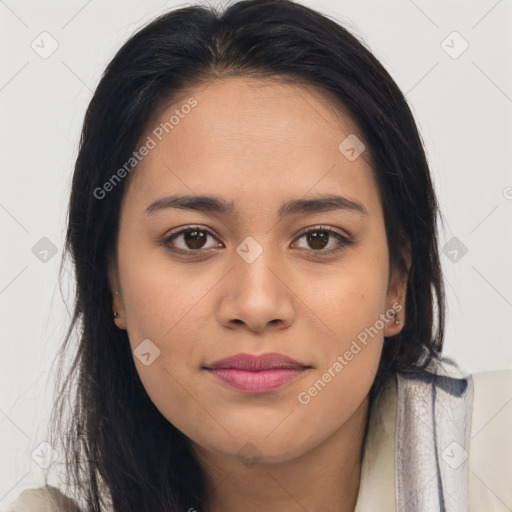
[{"x": 342, "y": 240}]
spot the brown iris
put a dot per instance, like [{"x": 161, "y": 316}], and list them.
[
  {"x": 318, "y": 239},
  {"x": 195, "y": 239}
]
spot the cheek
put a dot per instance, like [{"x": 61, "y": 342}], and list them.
[
  {"x": 352, "y": 296},
  {"x": 351, "y": 302},
  {"x": 167, "y": 306},
  {"x": 351, "y": 308},
  {"x": 162, "y": 299},
  {"x": 330, "y": 400}
]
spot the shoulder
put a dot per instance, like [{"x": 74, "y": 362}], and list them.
[
  {"x": 43, "y": 499},
  {"x": 406, "y": 423},
  {"x": 493, "y": 384},
  {"x": 490, "y": 455}
]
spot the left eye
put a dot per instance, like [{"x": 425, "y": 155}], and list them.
[
  {"x": 193, "y": 239},
  {"x": 319, "y": 237}
]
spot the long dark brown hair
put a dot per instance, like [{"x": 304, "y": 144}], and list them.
[{"x": 121, "y": 453}]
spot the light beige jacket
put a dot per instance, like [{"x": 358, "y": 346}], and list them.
[{"x": 489, "y": 465}]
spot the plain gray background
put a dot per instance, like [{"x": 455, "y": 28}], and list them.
[{"x": 462, "y": 101}]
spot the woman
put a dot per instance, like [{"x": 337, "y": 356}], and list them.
[{"x": 259, "y": 293}]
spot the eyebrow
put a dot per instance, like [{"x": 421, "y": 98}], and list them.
[{"x": 213, "y": 204}]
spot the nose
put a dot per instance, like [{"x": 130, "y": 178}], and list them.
[{"x": 256, "y": 296}]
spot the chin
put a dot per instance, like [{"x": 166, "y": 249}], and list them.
[{"x": 261, "y": 449}]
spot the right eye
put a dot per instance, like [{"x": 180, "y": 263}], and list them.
[{"x": 189, "y": 240}]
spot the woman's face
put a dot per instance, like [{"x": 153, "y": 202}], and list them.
[{"x": 262, "y": 275}]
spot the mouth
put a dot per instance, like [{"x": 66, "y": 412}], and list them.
[{"x": 257, "y": 374}]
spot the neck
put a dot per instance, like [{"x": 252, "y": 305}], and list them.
[{"x": 325, "y": 478}]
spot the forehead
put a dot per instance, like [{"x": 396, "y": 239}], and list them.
[{"x": 246, "y": 134}]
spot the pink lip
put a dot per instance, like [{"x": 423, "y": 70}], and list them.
[{"x": 257, "y": 374}]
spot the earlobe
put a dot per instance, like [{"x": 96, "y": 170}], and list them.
[
  {"x": 395, "y": 325},
  {"x": 119, "y": 320},
  {"x": 118, "y": 313}
]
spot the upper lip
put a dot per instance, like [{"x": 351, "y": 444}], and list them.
[{"x": 251, "y": 362}]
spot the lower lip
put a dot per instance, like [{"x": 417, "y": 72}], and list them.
[{"x": 261, "y": 381}]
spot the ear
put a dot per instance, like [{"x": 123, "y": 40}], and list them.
[
  {"x": 397, "y": 293},
  {"x": 117, "y": 297}
]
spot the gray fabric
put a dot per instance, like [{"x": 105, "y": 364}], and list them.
[{"x": 432, "y": 439}]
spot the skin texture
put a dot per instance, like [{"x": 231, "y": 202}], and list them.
[{"x": 258, "y": 144}]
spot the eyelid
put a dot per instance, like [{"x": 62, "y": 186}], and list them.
[
  {"x": 323, "y": 227},
  {"x": 189, "y": 227}
]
